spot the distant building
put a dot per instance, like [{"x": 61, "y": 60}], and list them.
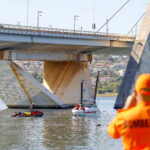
[
  {"x": 105, "y": 79},
  {"x": 118, "y": 66},
  {"x": 121, "y": 72},
  {"x": 94, "y": 70}
]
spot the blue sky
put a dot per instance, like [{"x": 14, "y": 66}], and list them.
[{"x": 60, "y": 13}]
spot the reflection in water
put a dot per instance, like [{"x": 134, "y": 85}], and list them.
[
  {"x": 20, "y": 133},
  {"x": 66, "y": 132},
  {"x": 59, "y": 130},
  {"x": 91, "y": 128}
]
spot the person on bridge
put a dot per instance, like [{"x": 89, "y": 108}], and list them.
[{"x": 132, "y": 123}]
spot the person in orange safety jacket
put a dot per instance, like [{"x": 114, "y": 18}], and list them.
[{"x": 132, "y": 122}]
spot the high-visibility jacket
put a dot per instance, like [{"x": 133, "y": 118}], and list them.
[{"x": 133, "y": 125}]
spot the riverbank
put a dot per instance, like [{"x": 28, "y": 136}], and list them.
[{"x": 108, "y": 94}]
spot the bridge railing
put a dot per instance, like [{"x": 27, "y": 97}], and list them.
[{"x": 63, "y": 31}]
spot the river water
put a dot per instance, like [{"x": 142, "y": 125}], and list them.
[{"x": 59, "y": 130}]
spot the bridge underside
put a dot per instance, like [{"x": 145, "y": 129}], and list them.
[
  {"x": 36, "y": 42},
  {"x": 61, "y": 87},
  {"x": 65, "y": 65},
  {"x": 73, "y": 49}
]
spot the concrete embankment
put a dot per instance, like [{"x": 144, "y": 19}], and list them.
[{"x": 19, "y": 89}]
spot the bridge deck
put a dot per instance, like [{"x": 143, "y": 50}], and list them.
[
  {"x": 29, "y": 38},
  {"x": 7, "y": 28}
]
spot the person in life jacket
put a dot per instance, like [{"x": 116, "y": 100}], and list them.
[{"x": 132, "y": 122}]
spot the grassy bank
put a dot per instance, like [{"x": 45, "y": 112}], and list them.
[{"x": 108, "y": 94}]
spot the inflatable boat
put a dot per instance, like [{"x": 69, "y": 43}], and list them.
[
  {"x": 28, "y": 114},
  {"x": 79, "y": 110},
  {"x": 87, "y": 107}
]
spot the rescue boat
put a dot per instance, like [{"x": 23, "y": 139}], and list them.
[
  {"x": 90, "y": 108},
  {"x": 80, "y": 110},
  {"x": 28, "y": 114}
]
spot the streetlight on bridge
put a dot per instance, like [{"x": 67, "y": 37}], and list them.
[
  {"x": 81, "y": 28},
  {"x": 27, "y": 12},
  {"x": 75, "y": 18},
  {"x": 18, "y": 23},
  {"x": 107, "y": 29},
  {"x": 50, "y": 26},
  {"x": 38, "y": 16}
]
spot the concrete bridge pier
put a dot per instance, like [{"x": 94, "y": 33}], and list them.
[
  {"x": 63, "y": 79},
  {"x": 18, "y": 89},
  {"x": 61, "y": 86},
  {"x": 139, "y": 61}
]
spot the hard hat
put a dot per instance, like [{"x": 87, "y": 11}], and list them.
[{"x": 142, "y": 84}]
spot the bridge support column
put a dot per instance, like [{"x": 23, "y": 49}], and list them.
[
  {"x": 18, "y": 89},
  {"x": 63, "y": 78},
  {"x": 139, "y": 61}
]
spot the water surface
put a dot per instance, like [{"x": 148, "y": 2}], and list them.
[{"x": 59, "y": 130}]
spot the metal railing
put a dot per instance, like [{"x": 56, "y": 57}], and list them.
[{"x": 28, "y": 29}]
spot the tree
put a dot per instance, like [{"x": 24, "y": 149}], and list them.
[{"x": 38, "y": 76}]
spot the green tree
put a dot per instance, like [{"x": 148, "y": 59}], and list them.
[{"x": 38, "y": 76}]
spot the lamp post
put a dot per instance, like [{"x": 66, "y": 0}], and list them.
[
  {"x": 135, "y": 30},
  {"x": 81, "y": 28},
  {"x": 38, "y": 16},
  {"x": 18, "y": 23},
  {"x": 50, "y": 26},
  {"x": 107, "y": 29},
  {"x": 27, "y": 12},
  {"x": 75, "y": 18}
]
